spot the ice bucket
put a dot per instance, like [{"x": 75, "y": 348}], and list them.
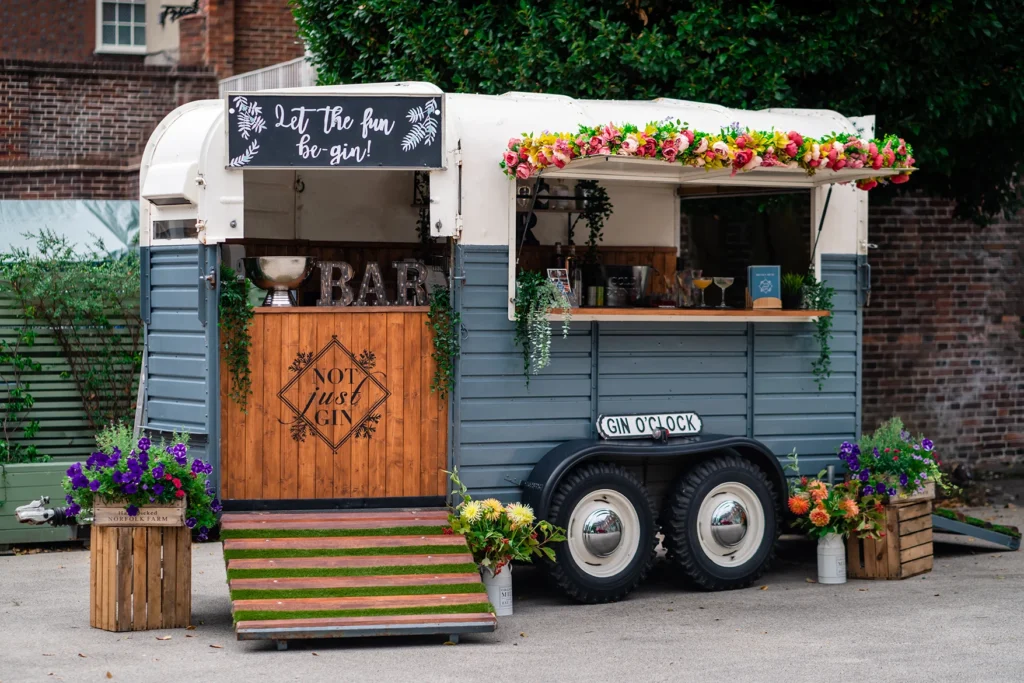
[{"x": 278, "y": 275}]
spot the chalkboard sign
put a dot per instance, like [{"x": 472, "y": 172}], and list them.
[{"x": 334, "y": 131}]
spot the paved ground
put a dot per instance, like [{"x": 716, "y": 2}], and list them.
[{"x": 964, "y": 622}]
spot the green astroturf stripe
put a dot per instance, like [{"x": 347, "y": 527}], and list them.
[
  {"x": 351, "y": 571},
  {"x": 266, "y": 615},
  {"x": 338, "y": 552},
  {"x": 319, "y": 533},
  {"x": 360, "y": 592}
]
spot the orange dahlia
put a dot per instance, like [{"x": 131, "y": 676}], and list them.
[
  {"x": 849, "y": 507},
  {"x": 799, "y": 505},
  {"x": 820, "y": 516},
  {"x": 818, "y": 490}
]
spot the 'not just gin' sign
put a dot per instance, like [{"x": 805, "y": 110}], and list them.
[{"x": 334, "y": 131}]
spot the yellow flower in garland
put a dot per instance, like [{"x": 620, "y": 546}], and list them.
[
  {"x": 519, "y": 515},
  {"x": 492, "y": 509},
  {"x": 471, "y": 511}
]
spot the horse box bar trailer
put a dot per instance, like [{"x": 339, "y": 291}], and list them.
[{"x": 342, "y": 414}]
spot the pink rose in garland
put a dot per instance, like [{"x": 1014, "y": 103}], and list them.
[
  {"x": 523, "y": 171},
  {"x": 511, "y": 158}
]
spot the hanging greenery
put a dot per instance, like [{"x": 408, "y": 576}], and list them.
[
  {"x": 235, "y": 320},
  {"x": 446, "y": 324},
  {"x": 17, "y": 426},
  {"x": 536, "y": 296},
  {"x": 596, "y": 210},
  {"x": 421, "y": 199},
  {"x": 90, "y": 303},
  {"x": 819, "y": 298}
]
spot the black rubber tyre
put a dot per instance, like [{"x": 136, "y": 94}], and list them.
[
  {"x": 565, "y": 573},
  {"x": 679, "y": 524}
]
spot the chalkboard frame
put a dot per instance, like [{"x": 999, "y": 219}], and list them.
[{"x": 227, "y": 131}]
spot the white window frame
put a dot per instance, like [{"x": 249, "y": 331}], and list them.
[{"x": 103, "y": 48}]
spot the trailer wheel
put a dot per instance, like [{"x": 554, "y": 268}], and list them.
[
  {"x": 721, "y": 524},
  {"x": 610, "y": 534}
]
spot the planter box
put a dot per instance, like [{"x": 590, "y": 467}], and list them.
[
  {"x": 111, "y": 513},
  {"x": 140, "y": 577},
  {"x": 21, "y": 484},
  {"x": 906, "y": 549}
]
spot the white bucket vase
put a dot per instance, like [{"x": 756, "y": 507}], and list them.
[
  {"x": 832, "y": 559},
  {"x": 499, "y": 589}
]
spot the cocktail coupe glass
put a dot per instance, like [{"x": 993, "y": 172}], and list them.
[
  {"x": 724, "y": 283},
  {"x": 702, "y": 284}
]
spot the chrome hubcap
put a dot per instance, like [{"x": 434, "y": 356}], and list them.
[
  {"x": 602, "y": 532},
  {"x": 729, "y": 523}
]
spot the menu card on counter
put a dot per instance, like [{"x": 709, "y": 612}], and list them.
[{"x": 763, "y": 283}]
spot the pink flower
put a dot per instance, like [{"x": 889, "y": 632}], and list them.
[
  {"x": 832, "y": 154},
  {"x": 629, "y": 146},
  {"x": 669, "y": 154},
  {"x": 650, "y": 148},
  {"x": 792, "y": 149},
  {"x": 742, "y": 158},
  {"x": 514, "y": 142},
  {"x": 872, "y": 148},
  {"x": 836, "y": 165},
  {"x": 814, "y": 163},
  {"x": 796, "y": 138},
  {"x": 562, "y": 145},
  {"x": 523, "y": 171},
  {"x": 604, "y": 150},
  {"x": 510, "y": 158},
  {"x": 561, "y": 159},
  {"x": 688, "y": 134},
  {"x": 899, "y": 179},
  {"x": 876, "y": 162},
  {"x": 721, "y": 150},
  {"x": 524, "y": 154},
  {"x": 702, "y": 147},
  {"x": 741, "y": 141},
  {"x": 867, "y": 184},
  {"x": 542, "y": 157}
]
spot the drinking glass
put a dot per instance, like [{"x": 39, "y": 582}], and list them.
[
  {"x": 724, "y": 283},
  {"x": 702, "y": 283}
]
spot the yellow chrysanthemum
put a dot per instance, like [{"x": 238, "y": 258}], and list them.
[
  {"x": 519, "y": 514},
  {"x": 492, "y": 509},
  {"x": 780, "y": 139},
  {"x": 471, "y": 511}
]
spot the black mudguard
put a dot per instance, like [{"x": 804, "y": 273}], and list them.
[{"x": 543, "y": 481}]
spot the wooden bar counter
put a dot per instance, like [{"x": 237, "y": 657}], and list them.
[{"x": 341, "y": 408}]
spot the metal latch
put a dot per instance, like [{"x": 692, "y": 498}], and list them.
[{"x": 210, "y": 279}]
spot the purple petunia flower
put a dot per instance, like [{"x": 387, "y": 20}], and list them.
[
  {"x": 904, "y": 479},
  {"x": 864, "y": 476},
  {"x": 892, "y": 490},
  {"x": 79, "y": 481},
  {"x": 94, "y": 485},
  {"x": 927, "y": 444},
  {"x": 158, "y": 489},
  {"x": 181, "y": 460},
  {"x": 69, "y": 499},
  {"x": 144, "y": 444},
  {"x": 74, "y": 469},
  {"x": 875, "y": 452},
  {"x": 132, "y": 510},
  {"x": 905, "y": 435},
  {"x": 216, "y": 506},
  {"x": 130, "y": 489},
  {"x": 158, "y": 472},
  {"x": 846, "y": 447},
  {"x": 868, "y": 490},
  {"x": 190, "y": 522},
  {"x": 923, "y": 475},
  {"x": 152, "y": 499},
  {"x": 73, "y": 509}
]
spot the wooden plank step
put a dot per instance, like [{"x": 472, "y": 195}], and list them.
[
  {"x": 341, "y": 542},
  {"x": 316, "y": 582},
  {"x": 399, "y": 517},
  {"x": 349, "y": 627},
  {"x": 375, "y": 602},
  {"x": 352, "y": 562},
  {"x": 273, "y": 525}
]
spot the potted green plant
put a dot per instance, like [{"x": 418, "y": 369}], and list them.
[
  {"x": 498, "y": 534},
  {"x": 536, "y": 296},
  {"x": 793, "y": 290}
]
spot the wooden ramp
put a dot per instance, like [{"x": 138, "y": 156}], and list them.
[{"x": 349, "y": 574}]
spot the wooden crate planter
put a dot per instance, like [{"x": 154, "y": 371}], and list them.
[
  {"x": 906, "y": 549},
  {"x": 140, "y": 575}
]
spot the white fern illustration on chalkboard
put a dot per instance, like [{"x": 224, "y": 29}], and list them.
[
  {"x": 246, "y": 156},
  {"x": 424, "y": 122},
  {"x": 250, "y": 117}
]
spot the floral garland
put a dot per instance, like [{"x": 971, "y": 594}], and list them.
[{"x": 735, "y": 148}]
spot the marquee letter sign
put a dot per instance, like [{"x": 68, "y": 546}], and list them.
[
  {"x": 334, "y": 131},
  {"x": 643, "y": 426}
]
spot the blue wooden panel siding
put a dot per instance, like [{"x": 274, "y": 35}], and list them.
[
  {"x": 750, "y": 379},
  {"x": 177, "y": 367}
]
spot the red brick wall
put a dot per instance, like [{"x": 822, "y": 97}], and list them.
[
  {"x": 265, "y": 34},
  {"x": 78, "y": 119},
  {"x": 942, "y": 336},
  {"x": 35, "y": 29}
]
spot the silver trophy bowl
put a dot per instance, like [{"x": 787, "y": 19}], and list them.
[{"x": 278, "y": 275}]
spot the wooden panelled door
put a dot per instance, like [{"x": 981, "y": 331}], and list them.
[{"x": 341, "y": 408}]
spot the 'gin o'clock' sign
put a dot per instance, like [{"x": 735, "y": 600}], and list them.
[{"x": 644, "y": 426}]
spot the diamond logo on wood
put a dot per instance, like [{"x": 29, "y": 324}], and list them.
[{"x": 335, "y": 395}]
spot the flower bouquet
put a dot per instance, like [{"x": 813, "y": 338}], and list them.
[
  {"x": 498, "y": 534},
  {"x": 891, "y": 463},
  {"x": 830, "y": 514},
  {"x": 140, "y": 473}
]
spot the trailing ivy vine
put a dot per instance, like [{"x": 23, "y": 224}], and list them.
[
  {"x": 18, "y": 401},
  {"x": 535, "y": 297},
  {"x": 235, "y": 320},
  {"x": 596, "y": 209},
  {"x": 446, "y": 324},
  {"x": 819, "y": 298}
]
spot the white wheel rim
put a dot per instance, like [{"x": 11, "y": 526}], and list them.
[
  {"x": 739, "y": 553},
  {"x": 619, "y": 558}
]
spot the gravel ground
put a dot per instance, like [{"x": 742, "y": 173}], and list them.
[{"x": 962, "y": 622}]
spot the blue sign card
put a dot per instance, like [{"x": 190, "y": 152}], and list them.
[{"x": 764, "y": 285}]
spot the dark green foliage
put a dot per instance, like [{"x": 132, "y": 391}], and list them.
[
  {"x": 819, "y": 298},
  {"x": 317, "y": 533},
  {"x": 596, "y": 209},
  {"x": 446, "y": 324},
  {"x": 945, "y": 74},
  {"x": 264, "y": 615},
  {"x": 235, "y": 320},
  {"x": 18, "y": 401},
  {"x": 792, "y": 283},
  {"x": 358, "y": 592},
  {"x": 90, "y": 303},
  {"x": 458, "y": 568}
]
